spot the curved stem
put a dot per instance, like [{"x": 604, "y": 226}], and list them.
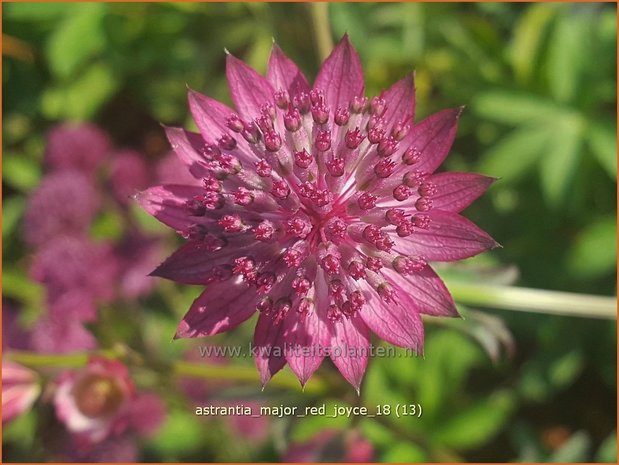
[
  {"x": 534, "y": 300},
  {"x": 319, "y": 12},
  {"x": 180, "y": 368}
]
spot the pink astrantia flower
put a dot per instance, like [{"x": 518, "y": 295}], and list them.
[
  {"x": 101, "y": 401},
  {"x": 318, "y": 208},
  {"x": 76, "y": 147},
  {"x": 20, "y": 388}
]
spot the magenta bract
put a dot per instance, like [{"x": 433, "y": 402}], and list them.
[{"x": 318, "y": 208}]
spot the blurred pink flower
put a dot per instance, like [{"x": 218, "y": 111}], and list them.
[
  {"x": 14, "y": 336},
  {"x": 20, "y": 388},
  {"x": 318, "y": 208},
  {"x": 129, "y": 173},
  {"x": 331, "y": 446},
  {"x": 71, "y": 264},
  {"x": 100, "y": 401},
  {"x": 63, "y": 204},
  {"x": 80, "y": 147},
  {"x": 60, "y": 334}
]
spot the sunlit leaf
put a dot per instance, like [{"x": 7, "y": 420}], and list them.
[
  {"x": 528, "y": 37},
  {"x": 476, "y": 423},
  {"x": 12, "y": 211},
  {"x": 404, "y": 453},
  {"x": 309, "y": 426},
  {"x": 594, "y": 252},
  {"x": 607, "y": 453},
  {"x": 448, "y": 358},
  {"x": 567, "y": 55},
  {"x": 20, "y": 171},
  {"x": 516, "y": 153},
  {"x": 602, "y": 138},
  {"x": 515, "y": 108},
  {"x": 181, "y": 433},
  {"x": 560, "y": 160},
  {"x": 80, "y": 37},
  {"x": 81, "y": 98},
  {"x": 35, "y": 11}
]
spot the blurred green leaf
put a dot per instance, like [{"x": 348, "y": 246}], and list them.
[
  {"x": 540, "y": 377},
  {"x": 16, "y": 285},
  {"x": 181, "y": 432},
  {"x": 607, "y": 453},
  {"x": 567, "y": 54},
  {"x": 309, "y": 426},
  {"x": 378, "y": 434},
  {"x": 516, "y": 153},
  {"x": 560, "y": 160},
  {"x": 35, "y": 10},
  {"x": 108, "y": 225},
  {"x": 602, "y": 138},
  {"x": 20, "y": 172},
  {"x": 79, "y": 37},
  {"x": 528, "y": 37},
  {"x": 515, "y": 108},
  {"x": 566, "y": 368},
  {"x": 404, "y": 453},
  {"x": 574, "y": 450},
  {"x": 12, "y": 211},
  {"x": 476, "y": 423},
  {"x": 449, "y": 357},
  {"x": 594, "y": 252},
  {"x": 81, "y": 98},
  {"x": 21, "y": 430}
]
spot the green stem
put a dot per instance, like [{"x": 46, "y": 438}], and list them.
[
  {"x": 319, "y": 12},
  {"x": 248, "y": 374},
  {"x": 40, "y": 360},
  {"x": 534, "y": 300},
  {"x": 181, "y": 368}
]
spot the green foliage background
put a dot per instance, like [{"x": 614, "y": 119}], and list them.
[{"x": 539, "y": 84}]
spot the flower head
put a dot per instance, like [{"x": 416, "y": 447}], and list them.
[
  {"x": 318, "y": 208},
  {"x": 80, "y": 147},
  {"x": 64, "y": 204},
  {"x": 101, "y": 401}
]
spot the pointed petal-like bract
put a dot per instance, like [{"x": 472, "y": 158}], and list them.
[
  {"x": 188, "y": 265},
  {"x": 221, "y": 307},
  {"x": 249, "y": 90},
  {"x": 350, "y": 348},
  {"x": 167, "y": 204},
  {"x": 396, "y": 322},
  {"x": 433, "y": 137},
  {"x": 456, "y": 191},
  {"x": 193, "y": 263},
  {"x": 449, "y": 237},
  {"x": 307, "y": 338},
  {"x": 431, "y": 296},
  {"x": 186, "y": 146},
  {"x": 211, "y": 117},
  {"x": 400, "y": 101},
  {"x": 284, "y": 74},
  {"x": 209, "y": 114},
  {"x": 269, "y": 346},
  {"x": 341, "y": 75}
]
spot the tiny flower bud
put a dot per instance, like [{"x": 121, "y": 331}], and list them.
[{"x": 302, "y": 159}]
